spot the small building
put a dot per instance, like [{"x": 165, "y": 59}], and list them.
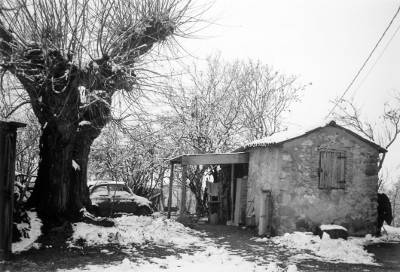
[{"x": 328, "y": 175}]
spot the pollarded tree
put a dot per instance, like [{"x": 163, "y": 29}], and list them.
[{"x": 72, "y": 56}]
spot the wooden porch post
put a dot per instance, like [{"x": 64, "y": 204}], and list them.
[
  {"x": 171, "y": 181},
  {"x": 183, "y": 191},
  {"x": 232, "y": 191},
  {"x": 8, "y": 136}
]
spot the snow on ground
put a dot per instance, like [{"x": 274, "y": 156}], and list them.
[
  {"x": 137, "y": 230},
  {"x": 212, "y": 259},
  {"x": 389, "y": 235},
  {"x": 205, "y": 254},
  {"x": 332, "y": 227},
  {"x": 34, "y": 232},
  {"x": 305, "y": 245}
]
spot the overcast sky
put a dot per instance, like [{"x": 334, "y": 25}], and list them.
[{"x": 323, "y": 42}]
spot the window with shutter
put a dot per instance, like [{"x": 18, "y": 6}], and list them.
[{"x": 332, "y": 168}]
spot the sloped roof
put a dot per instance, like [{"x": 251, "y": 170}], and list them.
[{"x": 285, "y": 136}]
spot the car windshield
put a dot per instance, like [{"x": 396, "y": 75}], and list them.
[
  {"x": 118, "y": 190},
  {"x": 100, "y": 191}
]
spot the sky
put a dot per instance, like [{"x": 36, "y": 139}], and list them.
[{"x": 322, "y": 42}]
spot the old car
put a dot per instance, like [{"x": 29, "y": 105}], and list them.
[{"x": 112, "y": 198}]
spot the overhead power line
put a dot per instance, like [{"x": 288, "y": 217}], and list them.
[
  {"x": 378, "y": 58},
  {"x": 364, "y": 63}
]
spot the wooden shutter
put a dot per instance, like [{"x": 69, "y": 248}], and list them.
[
  {"x": 332, "y": 169},
  {"x": 324, "y": 170},
  {"x": 340, "y": 170}
]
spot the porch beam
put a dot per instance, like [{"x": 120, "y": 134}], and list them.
[{"x": 214, "y": 158}]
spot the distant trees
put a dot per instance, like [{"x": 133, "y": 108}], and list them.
[
  {"x": 27, "y": 153},
  {"x": 219, "y": 107},
  {"x": 71, "y": 57},
  {"x": 14, "y": 104},
  {"x": 132, "y": 154}
]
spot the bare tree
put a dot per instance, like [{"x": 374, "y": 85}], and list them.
[
  {"x": 14, "y": 104},
  {"x": 13, "y": 98},
  {"x": 71, "y": 57},
  {"x": 133, "y": 154},
  {"x": 218, "y": 108},
  {"x": 385, "y": 133},
  {"x": 27, "y": 156},
  {"x": 266, "y": 95}
]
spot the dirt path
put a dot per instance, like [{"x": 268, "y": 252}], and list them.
[
  {"x": 388, "y": 254},
  {"x": 240, "y": 241}
]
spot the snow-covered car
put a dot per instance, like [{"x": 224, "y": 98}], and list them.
[{"x": 110, "y": 198}]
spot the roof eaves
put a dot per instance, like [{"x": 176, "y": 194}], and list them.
[
  {"x": 331, "y": 124},
  {"x": 376, "y": 146}
]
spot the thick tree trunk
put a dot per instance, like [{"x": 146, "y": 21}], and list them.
[
  {"x": 51, "y": 195},
  {"x": 84, "y": 138}
]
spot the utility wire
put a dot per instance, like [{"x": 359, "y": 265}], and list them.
[
  {"x": 365, "y": 63},
  {"x": 377, "y": 59}
]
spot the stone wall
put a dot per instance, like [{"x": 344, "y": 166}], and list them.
[
  {"x": 264, "y": 165},
  {"x": 290, "y": 171}
]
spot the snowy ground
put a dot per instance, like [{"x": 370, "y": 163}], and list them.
[
  {"x": 134, "y": 230},
  {"x": 211, "y": 257},
  {"x": 158, "y": 244},
  {"x": 33, "y": 233}
]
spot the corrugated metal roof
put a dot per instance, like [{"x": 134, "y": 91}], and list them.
[
  {"x": 284, "y": 136},
  {"x": 276, "y": 138}
]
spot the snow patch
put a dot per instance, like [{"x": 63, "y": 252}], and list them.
[
  {"x": 33, "y": 234},
  {"x": 332, "y": 250},
  {"x": 389, "y": 235},
  {"x": 75, "y": 165},
  {"x": 212, "y": 259},
  {"x": 332, "y": 227},
  {"x": 81, "y": 88},
  {"x": 132, "y": 229},
  {"x": 83, "y": 123}
]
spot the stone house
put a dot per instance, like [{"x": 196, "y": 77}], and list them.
[
  {"x": 327, "y": 175},
  {"x": 288, "y": 182}
]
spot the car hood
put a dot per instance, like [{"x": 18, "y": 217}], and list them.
[{"x": 139, "y": 200}]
